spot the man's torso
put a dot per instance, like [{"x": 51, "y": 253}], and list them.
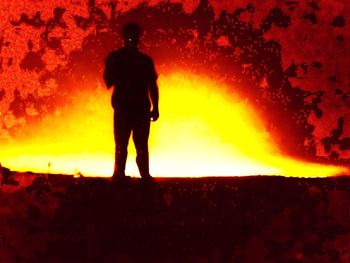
[{"x": 132, "y": 72}]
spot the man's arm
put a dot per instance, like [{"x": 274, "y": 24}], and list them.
[
  {"x": 154, "y": 93},
  {"x": 108, "y": 72}
]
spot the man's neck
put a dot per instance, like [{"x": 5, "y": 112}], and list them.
[{"x": 131, "y": 47}]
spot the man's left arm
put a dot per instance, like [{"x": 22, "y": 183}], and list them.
[
  {"x": 154, "y": 93},
  {"x": 154, "y": 98}
]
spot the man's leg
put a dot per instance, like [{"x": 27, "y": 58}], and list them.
[
  {"x": 122, "y": 131},
  {"x": 140, "y": 136}
]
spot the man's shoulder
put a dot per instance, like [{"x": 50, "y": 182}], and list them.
[
  {"x": 123, "y": 53},
  {"x": 116, "y": 52},
  {"x": 145, "y": 57}
]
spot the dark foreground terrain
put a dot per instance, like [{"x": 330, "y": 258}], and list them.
[{"x": 58, "y": 218}]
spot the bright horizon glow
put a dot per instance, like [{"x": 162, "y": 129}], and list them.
[{"x": 203, "y": 130}]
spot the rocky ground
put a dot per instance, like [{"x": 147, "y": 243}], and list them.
[{"x": 59, "y": 218}]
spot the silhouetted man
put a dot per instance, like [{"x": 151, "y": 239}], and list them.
[{"x": 134, "y": 78}]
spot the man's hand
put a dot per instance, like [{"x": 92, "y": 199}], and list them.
[{"x": 154, "y": 115}]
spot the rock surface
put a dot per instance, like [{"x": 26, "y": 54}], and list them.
[{"x": 58, "y": 218}]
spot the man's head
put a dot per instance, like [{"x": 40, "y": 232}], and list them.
[{"x": 131, "y": 34}]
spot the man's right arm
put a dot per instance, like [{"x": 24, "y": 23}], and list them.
[{"x": 108, "y": 72}]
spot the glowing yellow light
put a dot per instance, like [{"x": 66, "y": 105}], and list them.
[{"x": 203, "y": 130}]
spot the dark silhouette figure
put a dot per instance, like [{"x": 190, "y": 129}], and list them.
[{"x": 134, "y": 79}]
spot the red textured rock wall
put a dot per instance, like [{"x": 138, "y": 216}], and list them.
[{"x": 289, "y": 58}]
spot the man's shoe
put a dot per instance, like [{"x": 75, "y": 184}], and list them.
[
  {"x": 148, "y": 179},
  {"x": 121, "y": 179}
]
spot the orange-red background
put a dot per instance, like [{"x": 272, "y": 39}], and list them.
[{"x": 270, "y": 78}]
